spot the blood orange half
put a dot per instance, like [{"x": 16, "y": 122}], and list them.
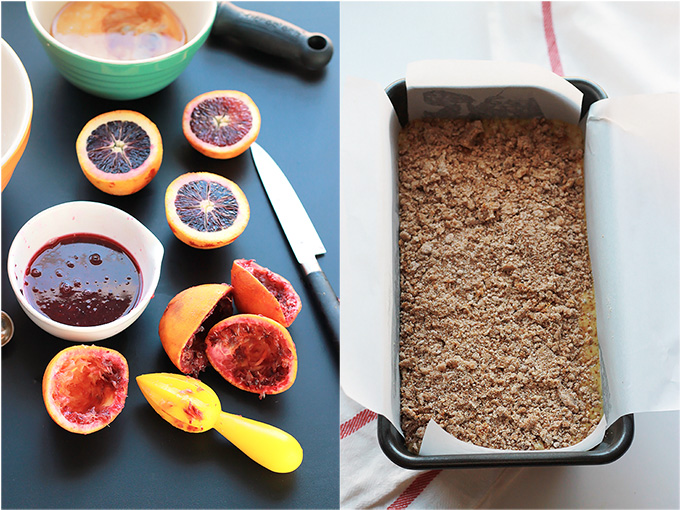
[
  {"x": 187, "y": 320},
  {"x": 253, "y": 353},
  {"x": 120, "y": 152},
  {"x": 84, "y": 387},
  {"x": 258, "y": 290},
  {"x": 221, "y": 124},
  {"x": 206, "y": 210}
]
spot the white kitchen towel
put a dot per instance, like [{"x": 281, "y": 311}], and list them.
[
  {"x": 625, "y": 47},
  {"x": 368, "y": 479}
]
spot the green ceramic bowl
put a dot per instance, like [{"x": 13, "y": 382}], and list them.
[{"x": 132, "y": 79}]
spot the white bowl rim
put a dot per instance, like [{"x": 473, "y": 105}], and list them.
[
  {"x": 28, "y": 105},
  {"x": 206, "y": 27},
  {"x": 85, "y": 331}
]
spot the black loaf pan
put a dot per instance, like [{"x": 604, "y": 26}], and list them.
[{"x": 617, "y": 438}]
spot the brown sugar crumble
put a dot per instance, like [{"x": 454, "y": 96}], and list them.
[{"x": 497, "y": 326}]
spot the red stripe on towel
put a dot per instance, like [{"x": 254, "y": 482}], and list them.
[
  {"x": 413, "y": 491},
  {"x": 359, "y": 420},
  {"x": 553, "y": 52}
]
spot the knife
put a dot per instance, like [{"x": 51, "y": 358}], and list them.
[{"x": 301, "y": 234}]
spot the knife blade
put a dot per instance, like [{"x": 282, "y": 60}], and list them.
[{"x": 301, "y": 235}]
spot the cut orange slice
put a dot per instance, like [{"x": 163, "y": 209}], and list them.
[
  {"x": 120, "y": 152},
  {"x": 221, "y": 124},
  {"x": 206, "y": 210}
]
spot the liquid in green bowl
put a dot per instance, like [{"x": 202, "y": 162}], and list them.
[
  {"x": 116, "y": 79},
  {"x": 119, "y": 30}
]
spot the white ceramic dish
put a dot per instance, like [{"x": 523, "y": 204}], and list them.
[
  {"x": 17, "y": 111},
  {"x": 94, "y": 218}
]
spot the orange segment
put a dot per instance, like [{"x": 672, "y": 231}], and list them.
[
  {"x": 120, "y": 152},
  {"x": 260, "y": 291},
  {"x": 253, "y": 353},
  {"x": 185, "y": 323},
  {"x": 206, "y": 210},
  {"x": 84, "y": 387},
  {"x": 221, "y": 124}
]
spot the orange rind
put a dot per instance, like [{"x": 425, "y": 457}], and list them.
[
  {"x": 258, "y": 290},
  {"x": 186, "y": 321}
]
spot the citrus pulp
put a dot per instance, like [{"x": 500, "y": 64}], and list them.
[
  {"x": 84, "y": 387},
  {"x": 254, "y": 353}
]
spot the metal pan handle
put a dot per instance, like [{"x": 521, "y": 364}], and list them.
[{"x": 272, "y": 35}]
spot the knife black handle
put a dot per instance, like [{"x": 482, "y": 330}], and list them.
[
  {"x": 328, "y": 301},
  {"x": 272, "y": 35}
]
